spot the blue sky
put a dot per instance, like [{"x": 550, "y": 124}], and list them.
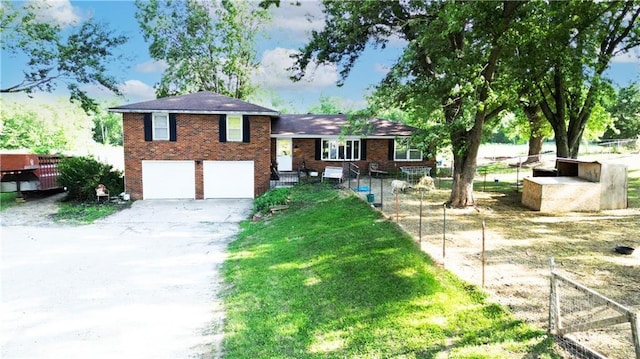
[{"x": 287, "y": 33}]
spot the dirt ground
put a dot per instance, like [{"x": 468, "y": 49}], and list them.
[
  {"x": 518, "y": 246},
  {"x": 37, "y": 210},
  {"x": 141, "y": 283}
]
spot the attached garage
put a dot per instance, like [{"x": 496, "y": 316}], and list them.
[
  {"x": 228, "y": 179},
  {"x": 168, "y": 180}
]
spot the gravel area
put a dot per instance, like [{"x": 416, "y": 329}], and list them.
[{"x": 142, "y": 283}]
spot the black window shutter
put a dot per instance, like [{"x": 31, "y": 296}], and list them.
[
  {"x": 318, "y": 149},
  {"x": 173, "y": 127},
  {"x": 148, "y": 127},
  {"x": 246, "y": 135},
  {"x": 391, "y": 149},
  {"x": 363, "y": 149},
  {"x": 223, "y": 128}
]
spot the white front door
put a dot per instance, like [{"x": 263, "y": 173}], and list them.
[{"x": 284, "y": 154}]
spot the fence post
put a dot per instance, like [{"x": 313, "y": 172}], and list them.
[
  {"x": 484, "y": 183},
  {"x": 420, "y": 218},
  {"x": 484, "y": 258},
  {"x": 381, "y": 193},
  {"x": 444, "y": 231},
  {"x": 635, "y": 332},
  {"x": 518, "y": 175},
  {"x": 554, "y": 301},
  {"x": 397, "y": 207}
]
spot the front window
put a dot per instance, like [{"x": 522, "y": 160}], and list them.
[
  {"x": 404, "y": 152},
  {"x": 160, "y": 126},
  {"x": 334, "y": 149},
  {"x": 234, "y": 128}
]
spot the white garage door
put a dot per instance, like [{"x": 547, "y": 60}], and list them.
[
  {"x": 228, "y": 179},
  {"x": 168, "y": 180}
]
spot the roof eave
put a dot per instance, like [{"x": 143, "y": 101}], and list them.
[
  {"x": 195, "y": 112},
  {"x": 306, "y": 136}
]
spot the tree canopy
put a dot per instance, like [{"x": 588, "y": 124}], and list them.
[
  {"x": 626, "y": 113},
  {"x": 449, "y": 68},
  {"x": 207, "y": 45},
  {"x": 75, "y": 56},
  {"x": 464, "y": 63},
  {"x": 570, "y": 47},
  {"x": 43, "y": 127}
]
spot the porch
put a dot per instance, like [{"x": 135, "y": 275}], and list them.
[{"x": 292, "y": 178}]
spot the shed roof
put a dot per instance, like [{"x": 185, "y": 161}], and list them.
[
  {"x": 310, "y": 125},
  {"x": 200, "y": 102}
]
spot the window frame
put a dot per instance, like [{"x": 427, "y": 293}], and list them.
[
  {"x": 154, "y": 119},
  {"x": 340, "y": 146},
  {"x": 238, "y": 130},
  {"x": 405, "y": 141}
]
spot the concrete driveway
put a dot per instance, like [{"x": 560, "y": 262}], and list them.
[{"x": 142, "y": 283}]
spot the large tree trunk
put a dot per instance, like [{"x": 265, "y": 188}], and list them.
[
  {"x": 562, "y": 143},
  {"x": 464, "y": 170},
  {"x": 555, "y": 111},
  {"x": 535, "y": 149},
  {"x": 465, "y": 145},
  {"x": 535, "y": 133}
]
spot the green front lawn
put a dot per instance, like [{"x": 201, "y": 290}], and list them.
[
  {"x": 7, "y": 199},
  {"x": 330, "y": 277},
  {"x": 84, "y": 212}
]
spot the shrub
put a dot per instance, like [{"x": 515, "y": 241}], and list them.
[
  {"x": 274, "y": 197},
  {"x": 81, "y": 176}
]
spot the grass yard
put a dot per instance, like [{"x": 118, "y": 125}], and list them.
[
  {"x": 519, "y": 243},
  {"x": 331, "y": 277},
  {"x": 7, "y": 200},
  {"x": 84, "y": 213}
]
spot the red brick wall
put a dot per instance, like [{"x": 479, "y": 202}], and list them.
[
  {"x": 377, "y": 151},
  {"x": 197, "y": 139}
]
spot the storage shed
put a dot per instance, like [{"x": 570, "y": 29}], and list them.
[
  {"x": 577, "y": 186},
  {"x": 28, "y": 172}
]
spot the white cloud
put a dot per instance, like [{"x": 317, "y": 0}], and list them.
[
  {"x": 272, "y": 73},
  {"x": 137, "y": 90},
  {"x": 59, "y": 12},
  {"x": 298, "y": 21},
  {"x": 132, "y": 90},
  {"x": 630, "y": 57},
  {"x": 151, "y": 66},
  {"x": 381, "y": 68}
]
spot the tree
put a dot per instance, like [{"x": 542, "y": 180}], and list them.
[
  {"x": 207, "y": 45},
  {"x": 79, "y": 58},
  {"x": 24, "y": 130},
  {"x": 537, "y": 131},
  {"x": 567, "y": 63},
  {"x": 450, "y": 67},
  {"x": 626, "y": 112},
  {"x": 107, "y": 128},
  {"x": 329, "y": 105},
  {"x": 81, "y": 176},
  {"x": 43, "y": 127}
]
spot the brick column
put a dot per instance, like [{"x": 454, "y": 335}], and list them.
[{"x": 199, "y": 180}]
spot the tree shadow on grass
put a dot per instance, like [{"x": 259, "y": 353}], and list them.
[{"x": 334, "y": 288}]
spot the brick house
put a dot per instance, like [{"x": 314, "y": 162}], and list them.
[{"x": 205, "y": 145}]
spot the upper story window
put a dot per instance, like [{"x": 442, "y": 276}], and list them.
[
  {"x": 234, "y": 128},
  {"x": 404, "y": 152},
  {"x": 335, "y": 149},
  {"x": 160, "y": 126}
]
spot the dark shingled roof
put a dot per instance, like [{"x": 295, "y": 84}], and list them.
[
  {"x": 332, "y": 125},
  {"x": 199, "y": 102}
]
